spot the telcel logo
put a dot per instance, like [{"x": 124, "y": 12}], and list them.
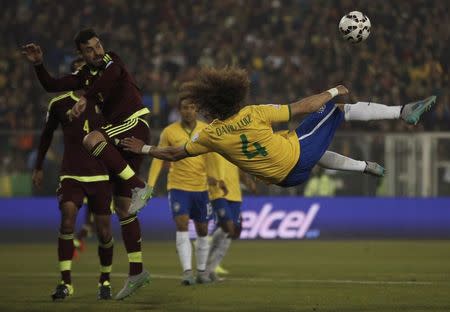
[{"x": 293, "y": 225}]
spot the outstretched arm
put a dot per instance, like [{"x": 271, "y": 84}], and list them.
[
  {"x": 312, "y": 103},
  {"x": 169, "y": 153},
  {"x": 34, "y": 55}
]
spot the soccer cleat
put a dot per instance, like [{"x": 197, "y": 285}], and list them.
[
  {"x": 104, "y": 291},
  {"x": 203, "y": 277},
  {"x": 133, "y": 283},
  {"x": 139, "y": 198},
  {"x": 374, "y": 169},
  {"x": 221, "y": 270},
  {"x": 215, "y": 278},
  {"x": 62, "y": 291},
  {"x": 411, "y": 112},
  {"x": 188, "y": 278}
]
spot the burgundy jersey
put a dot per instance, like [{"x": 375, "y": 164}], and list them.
[
  {"x": 76, "y": 160},
  {"x": 111, "y": 87}
]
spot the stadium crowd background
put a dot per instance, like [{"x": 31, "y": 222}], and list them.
[{"x": 291, "y": 49}]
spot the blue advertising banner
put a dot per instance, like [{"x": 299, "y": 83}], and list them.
[{"x": 262, "y": 218}]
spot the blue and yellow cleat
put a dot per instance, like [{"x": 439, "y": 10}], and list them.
[
  {"x": 62, "y": 291},
  {"x": 221, "y": 270},
  {"x": 412, "y": 112}
]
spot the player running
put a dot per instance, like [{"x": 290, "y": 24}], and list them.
[
  {"x": 244, "y": 134},
  {"x": 81, "y": 176},
  {"x": 108, "y": 83},
  {"x": 188, "y": 194}
]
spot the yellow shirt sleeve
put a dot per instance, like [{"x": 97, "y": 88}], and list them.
[
  {"x": 196, "y": 146},
  {"x": 157, "y": 164},
  {"x": 274, "y": 112}
]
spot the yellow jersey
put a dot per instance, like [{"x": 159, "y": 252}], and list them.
[
  {"x": 221, "y": 169},
  {"x": 247, "y": 140},
  {"x": 188, "y": 174}
]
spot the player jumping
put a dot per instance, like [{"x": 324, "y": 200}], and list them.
[
  {"x": 107, "y": 82},
  {"x": 244, "y": 134}
]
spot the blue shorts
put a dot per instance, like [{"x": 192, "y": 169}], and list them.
[
  {"x": 315, "y": 134},
  {"x": 194, "y": 204},
  {"x": 227, "y": 210}
]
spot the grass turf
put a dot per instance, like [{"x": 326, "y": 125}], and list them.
[{"x": 265, "y": 276}]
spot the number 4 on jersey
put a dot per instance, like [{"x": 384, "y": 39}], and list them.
[
  {"x": 259, "y": 150},
  {"x": 86, "y": 126}
]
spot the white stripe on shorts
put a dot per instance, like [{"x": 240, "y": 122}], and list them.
[{"x": 318, "y": 125}]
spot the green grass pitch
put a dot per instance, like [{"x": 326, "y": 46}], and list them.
[{"x": 265, "y": 276}]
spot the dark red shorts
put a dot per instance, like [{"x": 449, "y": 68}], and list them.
[
  {"x": 137, "y": 127},
  {"x": 98, "y": 195}
]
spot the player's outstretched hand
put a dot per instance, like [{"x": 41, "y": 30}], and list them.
[
  {"x": 132, "y": 145},
  {"x": 33, "y": 53},
  {"x": 78, "y": 108},
  {"x": 37, "y": 177},
  {"x": 342, "y": 90}
]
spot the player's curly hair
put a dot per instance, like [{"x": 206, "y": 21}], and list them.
[{"x": 218, "y": 93}]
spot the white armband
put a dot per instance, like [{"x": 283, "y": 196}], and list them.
[
  {"x": 146, "y": 149},
  {"x": 333, "y": 92}
]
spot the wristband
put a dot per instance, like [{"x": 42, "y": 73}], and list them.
[
  {"x": 333, "y": 92},
  {"x": 146, "y": 149}
]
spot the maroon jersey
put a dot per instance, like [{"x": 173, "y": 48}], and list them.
[
  {"x": 111, "y": 87},
  {"x": 76, "y": 160}
]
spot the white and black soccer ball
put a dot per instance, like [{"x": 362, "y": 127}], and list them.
[{"x": 355, "y": 27}]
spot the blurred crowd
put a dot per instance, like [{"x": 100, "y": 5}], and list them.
[{"x": 291, "y": 49}]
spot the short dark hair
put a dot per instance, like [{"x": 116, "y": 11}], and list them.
[
  {"x": 73, "y": 64},
  {"x": 83, "y": 36},
  {"x": 218, "y": 93}
]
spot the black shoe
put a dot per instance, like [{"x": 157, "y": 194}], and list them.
[
  {"x": 62, "y": 291},
  {"x": 104, "y": 291}
]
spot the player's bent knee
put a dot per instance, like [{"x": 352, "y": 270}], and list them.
[
  {"x": 104, "y": 235},
  {"x": 92, "y": 139},
  {"x": 182, "y": 222}
]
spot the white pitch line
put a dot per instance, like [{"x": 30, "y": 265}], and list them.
[{"x": 251, "y": 280}]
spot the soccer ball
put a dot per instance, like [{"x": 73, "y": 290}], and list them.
[{"x": 355, "y": 27}]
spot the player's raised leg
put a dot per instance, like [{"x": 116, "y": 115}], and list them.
[
  {"x": 410, "y": 112},
  {"x": 107, "y": 153},
  {"x": 335, "y": 161},
  {"x": 128, "y": 199}
]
